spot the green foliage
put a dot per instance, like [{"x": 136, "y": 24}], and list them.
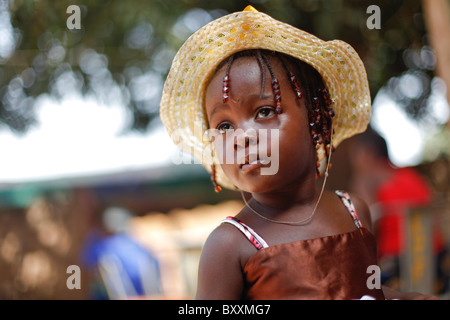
[{"x": 124, "y": 49}]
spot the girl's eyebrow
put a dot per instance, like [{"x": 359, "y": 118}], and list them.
[{"x": 216, "y": 108}]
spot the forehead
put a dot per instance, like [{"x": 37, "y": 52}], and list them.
[
  {"x": 245, "y": 78},
  {"x": 243, "y": 70}
]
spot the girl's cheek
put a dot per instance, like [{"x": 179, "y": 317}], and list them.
[{"x": 224, "y": 150}]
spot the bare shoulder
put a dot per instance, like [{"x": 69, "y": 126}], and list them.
[
  {"x": 224, "y": 237},
  {"x": 219, "y": 275},
  {"x": 362, "y": 209}
]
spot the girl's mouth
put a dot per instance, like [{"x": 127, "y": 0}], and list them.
[
  {"x": 251, "y": 166},
  {"x": 254, "y": 165}
]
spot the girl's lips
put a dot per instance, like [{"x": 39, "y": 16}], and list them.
[{"x": 251, "y": 166}]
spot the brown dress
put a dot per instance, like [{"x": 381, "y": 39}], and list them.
[{"x": 332, "y": 267}]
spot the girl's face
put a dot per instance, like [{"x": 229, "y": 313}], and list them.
[{"x": 247, "y": 127}]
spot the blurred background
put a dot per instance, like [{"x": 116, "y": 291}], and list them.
[{"x": 88, "y": 176}]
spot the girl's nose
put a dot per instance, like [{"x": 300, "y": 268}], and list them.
[{"x": 245, "y": 138}]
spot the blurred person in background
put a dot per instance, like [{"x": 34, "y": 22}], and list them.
[
  {"x": 121, "y": 268},
  {"x": 390, "y": 191}
]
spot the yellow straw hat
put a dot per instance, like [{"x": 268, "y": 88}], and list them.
[{"x": 182, "y": 107}]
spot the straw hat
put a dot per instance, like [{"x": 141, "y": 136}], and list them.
[{"x": 182, "y": 107}]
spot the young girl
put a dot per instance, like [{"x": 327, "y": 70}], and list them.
[{"x": 245, "y": 93}]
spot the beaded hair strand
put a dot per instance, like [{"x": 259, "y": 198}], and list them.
[
  {"x": 226, "y": 82},
  {"x": 320, "y": 122},
  {"x": 217, "y": 188},
  {"x": 263, "y": 71},
  {"x": 275, "y": 86},
  {"x": 319, "y": 106},
  {"x": 291, "y": 76}
]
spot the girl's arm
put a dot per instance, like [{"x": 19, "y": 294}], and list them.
[{"x": 220, "y": 272}]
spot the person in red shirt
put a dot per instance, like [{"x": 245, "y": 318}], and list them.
[{"x": 391, "y": 191}]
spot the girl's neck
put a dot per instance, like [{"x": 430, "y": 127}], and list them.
[{"x": 305, "y": 193}]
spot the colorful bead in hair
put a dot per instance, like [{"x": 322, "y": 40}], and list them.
[
  {"x": 294, "y": 84},
  {"x": 217, "y": 188},
  {"x": 292, "y": 78},
  {"x": 320, "y": 121},
  {"x": 226, "y": 82},
  {"x": 277, "y": 94},
  {"x": 226, "y": 88}
]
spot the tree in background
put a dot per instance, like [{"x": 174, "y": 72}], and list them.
[
  {"x": 437, "y": 18},
  {"x": 123, "y": 51}
]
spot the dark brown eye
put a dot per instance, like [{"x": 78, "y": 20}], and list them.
[
  {"x": 265, "y": 112},
  {"x": 223, "y": 127}
]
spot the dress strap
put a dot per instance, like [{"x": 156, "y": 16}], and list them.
[
  {"x": 251, "y": 235},
  {"x": 345, "y": 197}
]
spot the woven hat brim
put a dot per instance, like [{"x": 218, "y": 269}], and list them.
[{"x": 182, "y": 104}]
